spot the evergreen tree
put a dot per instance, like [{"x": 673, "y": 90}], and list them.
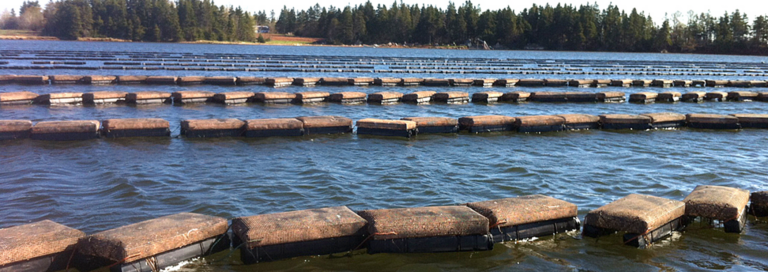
[
  {"x": 760, "y": 30},
  {"x": 458, "y": 27},
  {"x": 286, "y": 21},
  {"x": 507, "y": 28},
  {"x": 167, "y": 20},
  {"x": 359, "y": 26},
  {"x": 188, "y": 20},
  {"x": 138, "y": 31},
  {"x": 231, "y": 29},
  {"x": 245, "y": 28},
  {"x": 51, "y": 27},
  {"x": 559, "y": 27},
  {"x": 486, "y": 25},
  {"x": 739, "y": 26},
  {"x": 117, "y": 20},
  {"x": 98, "y": 9},
  {"x": 26, "y": 5},
  {"x": 724, "y": 33},
  {"x": 611, "y": 36},
  {"x": 579, "y": 40},
  {"x": 347, "y": 34},
  {"x": 69, "y": 27},
  {"x": 471, "y": 17},
  {"x": 662, "y": 40},
  {"x": 430, "y": 23}
]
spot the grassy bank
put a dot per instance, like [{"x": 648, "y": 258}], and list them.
[
  {"x": 272, "y": 39},
  {"x": 17, "y": 34}
]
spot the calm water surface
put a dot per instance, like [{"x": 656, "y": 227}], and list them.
[{"x": 102, "y": 184}]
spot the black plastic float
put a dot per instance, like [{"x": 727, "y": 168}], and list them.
[
  {"x": 725, "y": 204},
  {"x": 643, "y": 219}
]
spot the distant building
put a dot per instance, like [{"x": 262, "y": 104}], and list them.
[{"x": 262, "y": 29}]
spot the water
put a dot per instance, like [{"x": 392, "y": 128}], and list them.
[{"x": 103, "y": 184}]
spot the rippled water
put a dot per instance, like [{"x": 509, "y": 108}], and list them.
[{"x": 102, "y": 184}]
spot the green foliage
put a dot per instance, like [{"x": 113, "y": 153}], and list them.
[
  {"x": 70, "y": 23},
  {"x": 662, "y": 40},
  {"x": 147, "y": 20},
  {"x": 760, "y": 30},
  {"x": 260, "y": 39},
  {"x": 31, "y": 16},
  {"x": 560, "y": 27},
  {"x": 26, "y": 5}
]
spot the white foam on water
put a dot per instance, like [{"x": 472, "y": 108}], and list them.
[
  {"x": 180, "y": 266},
  {"x": 573, "y": 232},
  {"x": 527, "y": 240}
]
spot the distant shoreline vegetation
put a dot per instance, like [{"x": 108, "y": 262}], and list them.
[
  {"x": 136, "y": 20},
  {"x": 543, "y": 27}
]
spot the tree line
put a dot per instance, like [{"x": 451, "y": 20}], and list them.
[
  {"x": 561, "y": 27},
  {"x": 138, "y": 20}
]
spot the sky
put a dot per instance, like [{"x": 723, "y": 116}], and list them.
[{"x": 658, "y": 9}]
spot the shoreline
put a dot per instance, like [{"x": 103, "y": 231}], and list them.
[
  {"x": 335, "y": 45},
  {"x": 397, "y": 46},
  {"x": 51, "y": 38}
]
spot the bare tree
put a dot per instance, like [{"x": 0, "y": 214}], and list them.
[
  {"x": 32, "y": 19},
  {"x": 8, "y": 20}
]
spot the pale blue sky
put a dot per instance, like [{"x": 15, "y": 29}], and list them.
[{"x": 656, "y": 8}]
